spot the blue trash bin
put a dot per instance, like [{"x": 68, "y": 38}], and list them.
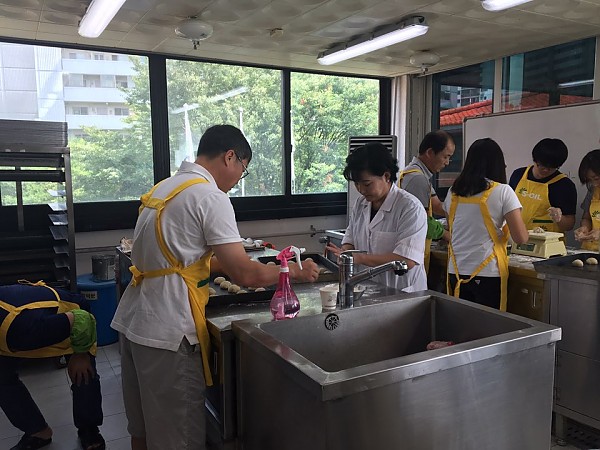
[{"x": 102, "y": 296}]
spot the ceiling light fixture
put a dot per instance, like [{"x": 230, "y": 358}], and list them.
[
  {"x": 408, "y": 28},
  {"x": 424, "y": 60},
  {"x": 98, "y": 16},
  {"x": 499, "y": 5},
  {"x": 194, "y": 29}
]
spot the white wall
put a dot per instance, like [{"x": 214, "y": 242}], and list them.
[{"x": 280, "y": 232}]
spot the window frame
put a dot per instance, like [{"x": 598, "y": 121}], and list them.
[{"x": 112, "y": 215}]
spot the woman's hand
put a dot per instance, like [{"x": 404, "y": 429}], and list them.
[
  {"x": 309, "y": 272},
  {"x": 80, "y": 368},
  {"x": 583, "y": 233},
  {"x": 334, "y": 249}
]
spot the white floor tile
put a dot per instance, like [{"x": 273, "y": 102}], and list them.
[{"x": 114, "y": 427}]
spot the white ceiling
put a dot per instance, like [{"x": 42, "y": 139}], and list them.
[{"x": 461, "y": 32}]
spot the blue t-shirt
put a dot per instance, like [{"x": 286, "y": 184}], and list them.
[{"x": 562, "y": 194}]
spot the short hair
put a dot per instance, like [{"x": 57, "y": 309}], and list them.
[
  {"x": 436, "y": 141},
  {"x": 591, "y": 161},
  {"x": 373, "y": 157},
  {"x": 485, "y": 161},
  {"x": 220, "y": 138},
  {"x": 551, "y": 153}
]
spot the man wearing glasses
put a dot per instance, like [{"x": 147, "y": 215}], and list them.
[
  {"x": 183, "y": 221},
  {"x": 549, "y": 197}
]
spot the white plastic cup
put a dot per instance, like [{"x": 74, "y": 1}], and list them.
[{"x": 329, "y": 296}]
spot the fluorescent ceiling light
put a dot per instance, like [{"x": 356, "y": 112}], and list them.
[
  {"x": 98, "y": 16},
  {"x": 578, "y": 83},
  {"x": 498, "y": 5},
  {"x": 390, "y": 35}
]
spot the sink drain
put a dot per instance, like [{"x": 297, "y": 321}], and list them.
[{"x": 332, "y": 321}]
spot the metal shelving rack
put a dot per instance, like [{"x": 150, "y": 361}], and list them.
[{"x": 39, "y": 251}]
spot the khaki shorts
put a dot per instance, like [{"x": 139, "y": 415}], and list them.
[{"x": 163, "y": 392}]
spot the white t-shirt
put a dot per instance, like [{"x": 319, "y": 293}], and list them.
[
  {"x": 471, "y": 241},
  {"x": 157, "y": 313},
  {"x": 400, "y": 226}
]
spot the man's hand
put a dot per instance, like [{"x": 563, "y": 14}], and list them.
[
  {"x": 80, "y": 368},
  {"x": 583, "y": 234},
  {"x": 555, "y": 214}
]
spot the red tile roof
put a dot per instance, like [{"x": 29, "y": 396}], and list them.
[{"x": 528, "y": 100}]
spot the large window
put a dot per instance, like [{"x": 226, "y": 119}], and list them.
[
  {"x": 204, "y": 94},
  {"x": 326, "y": 111},
  {"x": 109, "y": 126},
  {"x": 559, "y": 75},
  {"x": 458, "y": 94}
]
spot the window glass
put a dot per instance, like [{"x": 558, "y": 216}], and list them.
[
  {"x": 326, "y": 111},
  {"x": 111, "y": 157},
  {"x": 462, "y": 93},
  {"x": 204, "y": 94},
  {"x": 559, "y": 75}
]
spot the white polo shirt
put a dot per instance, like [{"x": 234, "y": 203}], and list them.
[
  {"x": 400, "y": 226},
  {"x": 157, "y": 313},
  {"x": 471, "y": 241}
]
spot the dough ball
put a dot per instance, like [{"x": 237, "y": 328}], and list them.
[
  {"x": 233, "y": 289},
  {"x": 211, "y": 291},
  {"x": 323, "y": 270},
  {"x": 242, "y": 291},
  {"x": 251, "y": 288},
  {"x": 225, "y": 285},
  {"x": 271, "y": 263},
  {"x": 538, "y": 230},
  {"x": 577, "y": 263},
  {"x": 259, "y": 290},
  {"x": 591, "y": 261},
  {"x": 219, "y": 280},
  {"x": 308, "y": 259}
]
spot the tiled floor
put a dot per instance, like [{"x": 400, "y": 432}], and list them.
[{"x": 50, "y": 388}]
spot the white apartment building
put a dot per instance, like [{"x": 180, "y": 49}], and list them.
[{"x": 80, "y": 87}]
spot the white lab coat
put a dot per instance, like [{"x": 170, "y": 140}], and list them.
[{"x": 400, "y": 226}]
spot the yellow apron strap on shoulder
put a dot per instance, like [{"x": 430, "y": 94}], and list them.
[
  {"x": 558, "y": 177},
  {"x": 145, "y": 198},
  {"x": 406, "y": 172}
]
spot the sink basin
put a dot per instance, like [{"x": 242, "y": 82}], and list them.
[{"x": 362, "y": 378}]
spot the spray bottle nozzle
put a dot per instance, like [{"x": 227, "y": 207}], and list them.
[{"x": 289, "y": 253}]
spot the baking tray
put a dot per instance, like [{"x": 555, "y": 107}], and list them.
[
  {"x": 561, "y": 266},
  {"x": 318, "y": 258},
  {"x": 224, "y": 299}
]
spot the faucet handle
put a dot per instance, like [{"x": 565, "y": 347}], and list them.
[
  {"x": 348, "y": 255},
  {"x": 400, "y": 267}
]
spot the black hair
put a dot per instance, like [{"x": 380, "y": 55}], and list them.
[
  {"x": 436, "y": 141},
  {"x": 374, "y": 158},
  {"x": 550, "y": 153},
  {"x": 220, "y": 138},
  {"x": 591, "y": 161},
  {"x": 485, "y": 161}
]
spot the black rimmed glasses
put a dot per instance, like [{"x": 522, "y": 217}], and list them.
[{"x": 246, "y": 173}]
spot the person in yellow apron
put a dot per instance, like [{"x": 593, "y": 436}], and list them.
[
  {"x": 588, "y": 232},
  {"x": 38, "y": 321},
  {"x": 435, "y": 151},
  {"x": 478, "y": 206},
  {"x": 548, "y": 197},
  {"x": 164, "y": 339}
]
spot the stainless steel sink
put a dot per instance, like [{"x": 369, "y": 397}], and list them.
[{"x": 361, "y": 378}]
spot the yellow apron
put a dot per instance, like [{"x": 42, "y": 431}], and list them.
[
  {"x": 429, "y": 214},
  {"x": 196, "y": 276},
  {"x": 60, "y": 349},
  {"x": 595, "y": 215},
  {"x": 498, "y": 252},
  {"x": 535, "y": 200}
]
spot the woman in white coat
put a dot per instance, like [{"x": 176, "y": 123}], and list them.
[{"x": 387, "y": 222}]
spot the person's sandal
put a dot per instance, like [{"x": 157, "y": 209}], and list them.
[
  {"x": 91, "y": 439},
  {"x": 29, "y": 442}
]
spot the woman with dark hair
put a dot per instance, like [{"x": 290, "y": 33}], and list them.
[
  {"x": 589, "y": 228},
  {"x": 387, "y": 222},
  {"x": 549, "y": 197},
  {"x": 478, "y": 205}
]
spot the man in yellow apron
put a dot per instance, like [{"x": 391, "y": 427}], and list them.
[
  {"x": 161, "y": 316},
  {"x": 549, "y": 198},
  {"x": 435, "y": 151},
  {"x": 589, "y": 229},
  {"x": 37, "y": 321}
]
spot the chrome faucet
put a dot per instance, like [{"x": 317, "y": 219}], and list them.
[{"x": 348, "y": 279}]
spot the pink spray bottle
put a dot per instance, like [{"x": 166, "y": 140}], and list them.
[{"x": 285, "y": 304}]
